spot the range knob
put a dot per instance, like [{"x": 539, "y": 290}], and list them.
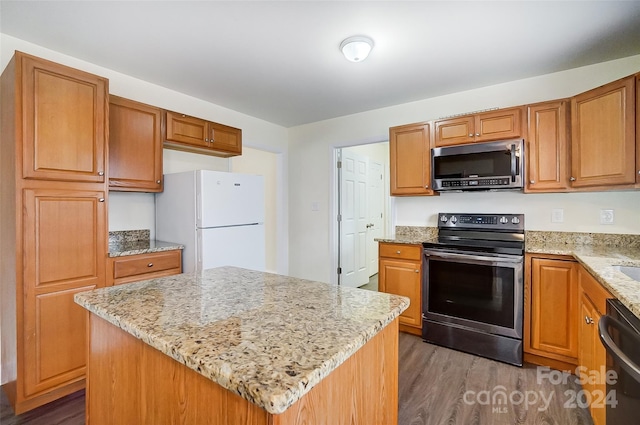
[
  {"x": 515, "y": 220},
  {"x": 454, "y": 219},
  {"x": 504, "y": 220},
  {"x": 444, "y": 219}
]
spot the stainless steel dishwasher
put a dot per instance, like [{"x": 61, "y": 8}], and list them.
[{"x": 619, "y": 332}]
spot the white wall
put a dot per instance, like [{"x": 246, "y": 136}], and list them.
[
  {"x": 311, "y": 146},
  {"x": 129, "y": 211}
]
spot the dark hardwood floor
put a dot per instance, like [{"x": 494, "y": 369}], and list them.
[{"x": 437, "y": 387}]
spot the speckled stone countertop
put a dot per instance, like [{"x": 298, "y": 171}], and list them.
[
  {"x": 601, "y": 262},
  {"x": 600, "y": 253},
  {"x": 132, "y": 242},
  {"x": 266, "y": 337}
]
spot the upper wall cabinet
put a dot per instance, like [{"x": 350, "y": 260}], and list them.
[
  {"x": 482, "y": 127},
  {"x": 66, "y": 112},
  {"x": 410, "y": 159},
  {"x": 547, "y": 147},
  {"x": 603, "y": 143},
  {"x": 196, "y": 135},
  {"x": 135, "y": 146}
]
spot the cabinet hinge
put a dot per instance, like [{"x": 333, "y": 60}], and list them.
[
  {"x": 339, "y": 270},
  {"x": 339, "y": 217},
  {"x": 339, "y": 164}
]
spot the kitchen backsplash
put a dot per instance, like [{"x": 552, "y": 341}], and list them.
[
  {"x": 577, "y": 238},
  {"x": 120, "y": 236}
]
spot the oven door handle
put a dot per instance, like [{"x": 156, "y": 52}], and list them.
[
  {"x": 473, "y": 257},
  {"x": 604, "y": 324}
]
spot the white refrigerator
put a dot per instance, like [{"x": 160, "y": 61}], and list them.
[{"x": 217, "y": 216}]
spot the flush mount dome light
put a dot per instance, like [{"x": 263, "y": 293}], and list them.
[{"x": 356, "y": 48}]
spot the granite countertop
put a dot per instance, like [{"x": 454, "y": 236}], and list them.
[
  {"x": 600, "y": 261},
  {"x": 266, "y": 337},
  {"x": 132, "y": 242},
  {"x": 599, "y": 253}
]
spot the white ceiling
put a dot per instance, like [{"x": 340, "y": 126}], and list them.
[{"x": 279, "y": 60}]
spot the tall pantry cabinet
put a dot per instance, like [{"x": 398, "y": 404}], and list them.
[{"x": 53, "y": 223}]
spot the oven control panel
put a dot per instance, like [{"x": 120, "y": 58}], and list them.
[{"x": 481, "y": 221}]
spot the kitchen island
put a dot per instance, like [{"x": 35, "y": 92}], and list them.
[{"x": 230, "y": 345}]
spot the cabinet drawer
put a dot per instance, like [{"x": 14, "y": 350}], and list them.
[
  {"x": 398, "y": 250},
  {"x": 147, "y": 263}
]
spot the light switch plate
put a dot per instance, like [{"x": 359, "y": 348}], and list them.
[{"x": 606, "y": 217}]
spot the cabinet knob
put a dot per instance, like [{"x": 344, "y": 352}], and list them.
[
  {"x": 426, "y": 186},
  {"x": 101, "y": 200},
  {"x": 417, "y": 271},
  {"x": 150, "y": 265},
  {"x": 470, "y": 134},
  {"x": 101, "y": 173},
  {"x": 572, "y": 179},
  {"x": 638, "y": 171},
  {"x": 397, "y": 252},
  {"x": 477, "y": 134},
  {"x": 206, "y": 140},
  {"x": 588, "y": 320},
  {"x": 158, "y": 181},
  {"x": 532, "y": 181}
]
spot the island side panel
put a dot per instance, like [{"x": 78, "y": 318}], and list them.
[
  {"x": 129, "y": 381},
  {"x": 362, "y": 390}
]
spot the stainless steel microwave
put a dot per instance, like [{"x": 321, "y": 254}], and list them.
[{"x": 478, "y": 166}]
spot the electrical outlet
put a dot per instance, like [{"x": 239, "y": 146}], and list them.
[
  {"x": 557, "y": 215},
  {"x": 606, "y": 217}
]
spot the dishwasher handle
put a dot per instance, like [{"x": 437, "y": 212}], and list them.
[{"x": 604, "y": 324}]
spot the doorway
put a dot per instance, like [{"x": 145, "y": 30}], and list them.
[{"x": 362, "y": 209}]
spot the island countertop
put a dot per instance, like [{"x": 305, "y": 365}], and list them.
[{"x": 267, "y": 337}]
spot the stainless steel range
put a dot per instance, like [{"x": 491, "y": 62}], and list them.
[{"x": 473, "y": 285}]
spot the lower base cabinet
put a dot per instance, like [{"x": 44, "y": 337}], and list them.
[
  {"x": 551, "y": 311},
  {"x": 400, "y": 273},
  {"x": 592, "y": 356}
]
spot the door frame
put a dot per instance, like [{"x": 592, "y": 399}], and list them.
[{"x": 334, "y": 205}]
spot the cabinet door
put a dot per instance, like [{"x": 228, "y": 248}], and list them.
[
  {"x": 224, "y": 138},
  {"x": 548, "y": 150},
  {"x": 135, "y": 146},
  {"x": 64, "y": 251},
  {"x": 189, "y": 130},
  {"x": 410, "y": 160},
  {"x": 64, "y": 122},
  {"x": 403, "y": 278},
  {"x": 592, "y": 358},
  {"x": 603, "y": 135},
  {"x": 554, "y": 304},
  {"x": 454, "y": 131},
  {"x": 497, "y": 125}
]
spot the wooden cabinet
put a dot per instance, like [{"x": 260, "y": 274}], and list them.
[
  {"x": 135, "y": 146},
  {"x": 603, "y": 143},
  {"x": 637, "y": 131},
  {"x": 132, "y": 268},
  {"x": 400, "y": 273},
  {"x": 551, "y": 328},
  {"x": 64, "y": 112},
  {"x": 482, "y": 127},
  {"x": 410, "y": 160},
  {"x": 197, "y": 135},
  {"x": 54, "y": 224},
  {"x": 592, "y": 354},
  {"x": 548, "y": 147}
]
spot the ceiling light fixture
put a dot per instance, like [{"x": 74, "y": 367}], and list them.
[{"x": 356, "y": 48}]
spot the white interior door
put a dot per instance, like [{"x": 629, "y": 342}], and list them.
[
  {"x": 375, "y": 211},
  {"x": 353, "y": 228}
]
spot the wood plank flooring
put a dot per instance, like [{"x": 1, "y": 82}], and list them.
[{"x": 438, "y": 386}]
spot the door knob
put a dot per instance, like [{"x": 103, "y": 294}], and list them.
[{"x": 369, "y": 225}]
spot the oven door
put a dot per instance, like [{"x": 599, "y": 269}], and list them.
[{"x": 478, "y": 291}]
